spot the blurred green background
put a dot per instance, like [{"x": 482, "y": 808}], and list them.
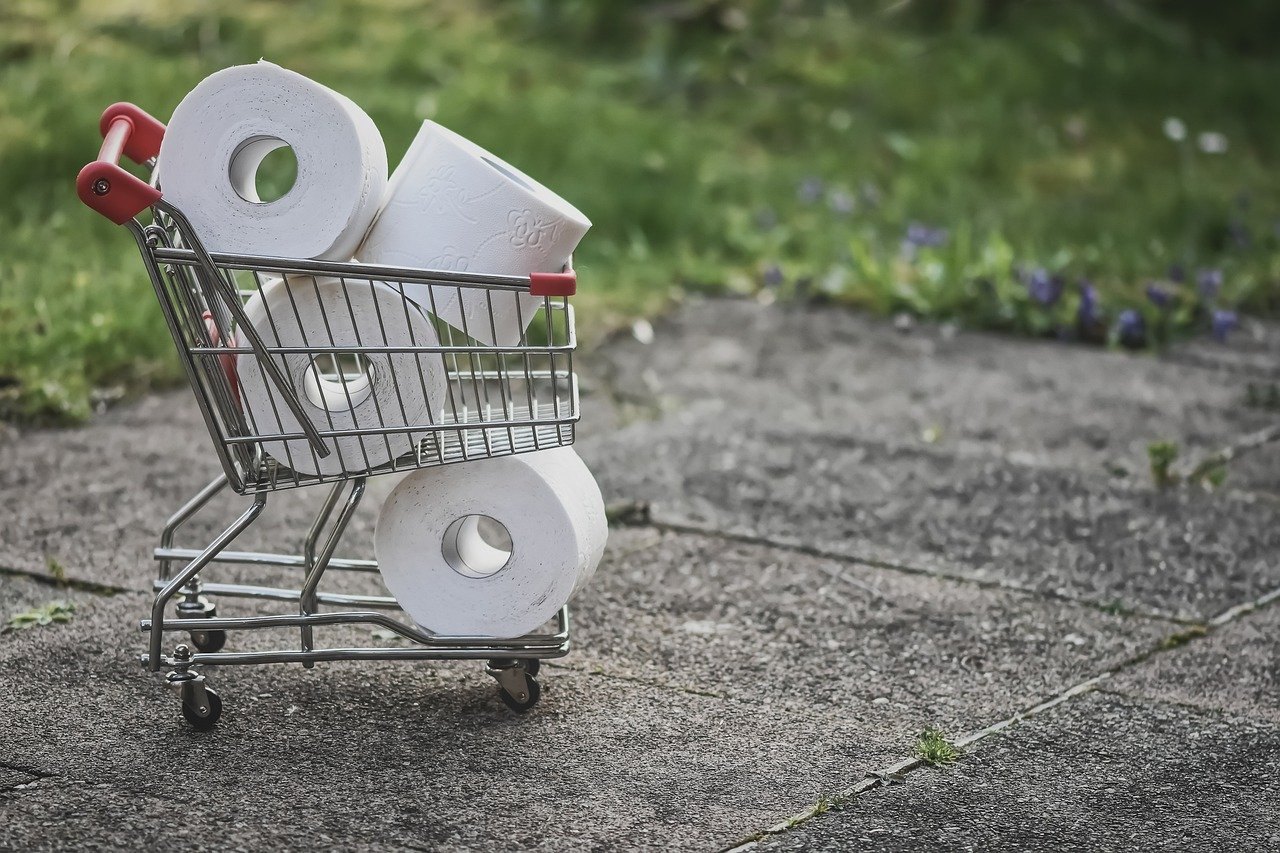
[{"x": 961, "y": 160}]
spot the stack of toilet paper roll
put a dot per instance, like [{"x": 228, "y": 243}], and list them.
[{"x": 491, "y": 547}]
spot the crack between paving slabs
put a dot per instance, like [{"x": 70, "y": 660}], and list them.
[
  {"x": 983, "y": 583},
  {"x": 33, "y": 776},
  {"x": 897, "y": 772},
  {"x": 77, "y": 584}
]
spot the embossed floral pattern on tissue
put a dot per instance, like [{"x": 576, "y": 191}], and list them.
[
  {"x": 442, "y": 192},
  {"x": 527, "y": 229}
]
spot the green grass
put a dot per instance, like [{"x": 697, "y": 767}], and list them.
[
  {"x": 687, "y": 132},
  {"x": 933, "y": 747}
]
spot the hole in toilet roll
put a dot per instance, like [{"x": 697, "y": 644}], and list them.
[
  {"x": 477, "y": 546},
  {"x": 263, "y": 169},
  {"x": 338, "y": 381},
  {"x": 519, "y": 179}
]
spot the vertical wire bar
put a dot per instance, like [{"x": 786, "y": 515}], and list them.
[
  {"x": 417, "y": 363},
  {"x": 284, "y": 362},
  {"x": 453, "y": 378},
  {"x": 395, "y": 375},
  {"x": 307, "y": 600}
]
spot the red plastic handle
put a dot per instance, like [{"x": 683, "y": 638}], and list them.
[
  {"x": 105, "y": 187},
  {"x": 553, "y": 283}
]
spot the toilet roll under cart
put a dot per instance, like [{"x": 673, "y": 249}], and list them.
[{"x": 423, "y": 394}]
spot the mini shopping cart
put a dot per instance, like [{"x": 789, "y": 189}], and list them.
[{"x": 498, "y": 400}]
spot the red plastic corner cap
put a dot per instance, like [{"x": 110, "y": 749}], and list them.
[
  {"x": 144, "y": 141},
  {"x": 553, "y": 283},
  {"x": 113, "y": 192}
]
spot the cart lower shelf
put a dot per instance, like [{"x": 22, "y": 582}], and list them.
[{"x": 513, "y": 663}]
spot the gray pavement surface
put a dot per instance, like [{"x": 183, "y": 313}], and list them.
[
  {"x": 838, "y": 535},
  {"x": 1090, "y": 774}
]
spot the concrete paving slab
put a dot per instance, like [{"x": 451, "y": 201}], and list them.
[
  {"x": 776, "y": 626},
  {"x": 399, "y": 756},
  {"x": 1098, "y": 773},
  {"x": 1236, "y": 669},
  {"x": 833, "y": 666},
  {"x": 1038, "y": 402},
  {"x": 1183, "y": 552}
]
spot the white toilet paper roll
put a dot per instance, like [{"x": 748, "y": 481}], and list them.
[
  {"x": 351, "y": 391},
  {"x": 451, "y": 205},
  {"x": 450, "y": 581},
  {"x": 226, "y": 125}
]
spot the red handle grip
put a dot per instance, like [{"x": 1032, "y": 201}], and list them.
[
  {"x": 103, "y": 185},
  {"x": 553, "y": 283}
]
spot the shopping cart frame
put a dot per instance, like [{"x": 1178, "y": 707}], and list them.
[{"x": 204, "y": 309}]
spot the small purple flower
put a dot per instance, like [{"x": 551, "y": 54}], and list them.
[
  {"x": 1177, "y": 274},
  {"x": 841, "y": 202},
  {"x": 1224, "y": 322},
  {"x": 1089, "y": 317},
  {"x": 810, "y": 190},
  {"x": 1044, "y": 288},
  {"x": 1159, "y": 295},
  {"x": 772, "y": 276},
  {"x": 921, "y": 235},
  {"x": 1130, "y": 328},
  {"x": 1210, "y": 282}
]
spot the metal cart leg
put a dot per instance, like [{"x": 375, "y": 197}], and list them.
[
  {"x": 316, "y": 564},
  {"x": 183, "y": 515},
  {"x": 194, "y": 605},
  {"x": 248, "y": 517},
  {"x": 317, "y": 526}
]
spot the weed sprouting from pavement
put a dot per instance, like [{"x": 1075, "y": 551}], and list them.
[
  {"x": 54, "y": 612},
  {"x": 57, "y": 571},
  {"x": 825, "y": 804},
  {"x": 1181, "y": 638},
  {"x": 933, "y": 747},
  {"x": 1162, "y": 455},
  {"x": 1116, "y": 607}
]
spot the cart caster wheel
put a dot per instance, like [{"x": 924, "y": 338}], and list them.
[
  {"x": 520, "y": 704},
  {"x": 532, "y": 665},
  {"x": 202, "y": 718},
  {"x": 209, "y": 641}
]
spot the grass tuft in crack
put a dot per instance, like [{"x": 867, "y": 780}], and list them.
[
  {"x": 1181, "y": 638},
  {"x": 54, "y": 612},
  {"x": 933, "y": 747},
  {"x": 1162, "y": 455},
  {"x": 825, "y": 804},
  {"x": 56, "y": 570}
]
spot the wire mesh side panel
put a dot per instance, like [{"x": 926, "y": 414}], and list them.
[{"x": 387, "y": 383}]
